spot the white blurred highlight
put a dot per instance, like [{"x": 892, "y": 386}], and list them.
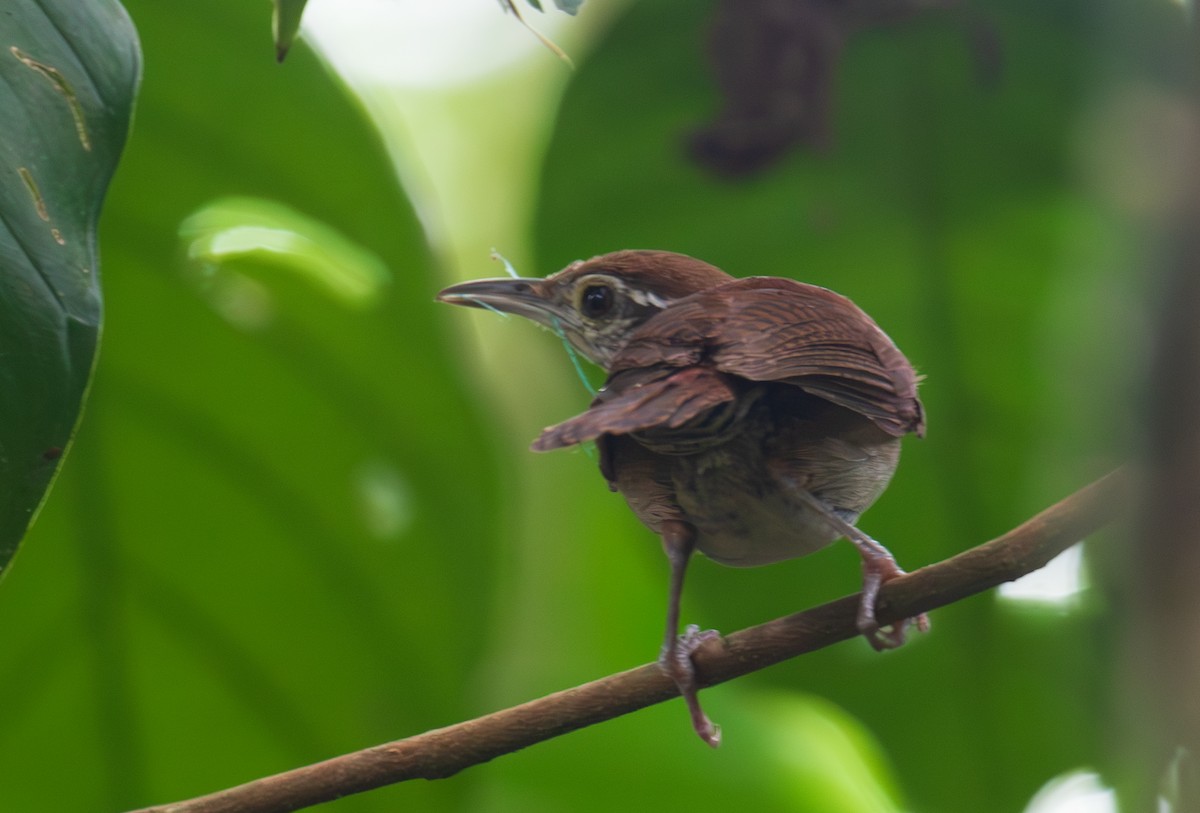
[
  {"x": 1075, "y": 792},
  {"x": 424, "y": 43},
  {"x": 1058, "y": 583}
]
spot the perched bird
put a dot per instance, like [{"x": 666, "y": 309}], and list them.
[{"x": 751, "y": 419}]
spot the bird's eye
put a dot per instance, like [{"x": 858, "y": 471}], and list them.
[{"x": 596, "y": 301}]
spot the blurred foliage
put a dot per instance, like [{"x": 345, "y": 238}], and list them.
[
  {"x": 249, "y": 561},
  {"x": 67, "y": 80},
  {"x": 296, "y": 524},
  {"x": 960, "y": 216}
]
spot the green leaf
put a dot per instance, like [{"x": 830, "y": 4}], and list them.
[
  {"x": 260, "y": 555},
  {"x": 790, "y": 752},
  {"x": 68, "y": 76},
  {"x": 232, "y": 230},
  {"x": 952, "y": 212},
  {"x": 285, "y": 23}
]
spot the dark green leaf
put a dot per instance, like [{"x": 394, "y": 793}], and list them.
[{"x": 68, "y": 75}]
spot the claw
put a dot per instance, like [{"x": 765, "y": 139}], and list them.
[
  {"x": 893, "y": 635},
  {"x": 878, "y": 569},
  {"x": 676, "y": 661}
]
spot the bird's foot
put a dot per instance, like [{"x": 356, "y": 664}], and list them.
[
  {"x": 879, "y": 567},
  {"x": 878, "y": 570},
  {"x": 893, "y": 635},
  {"x": 676, "y": 661}
]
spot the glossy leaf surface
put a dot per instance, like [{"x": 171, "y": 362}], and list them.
[{"x": 68, "y": 75}]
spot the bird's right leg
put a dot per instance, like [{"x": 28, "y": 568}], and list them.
[
  {"x": 679, "y": 541},
  {"x": 879, "y": 567}
]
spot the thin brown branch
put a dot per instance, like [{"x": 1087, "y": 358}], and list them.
[{"x": 446, "y": 751}]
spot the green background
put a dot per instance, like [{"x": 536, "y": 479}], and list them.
[{"x": 300, "y": 517}]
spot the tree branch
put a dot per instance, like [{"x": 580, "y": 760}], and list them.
[{"x": 446, "y": 751}]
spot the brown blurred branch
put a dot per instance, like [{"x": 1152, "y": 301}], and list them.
[
  {"x": 446, "y": 751},
  {"x": 1161, "y": 657}
]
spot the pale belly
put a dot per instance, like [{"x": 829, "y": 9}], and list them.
[
  {"x": 747, "y": 504},
  {"x": 746, "y": 521},
  {"x": 764, "y": 537}
]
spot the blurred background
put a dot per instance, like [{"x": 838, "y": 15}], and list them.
[{"x": 301, "y": 518}]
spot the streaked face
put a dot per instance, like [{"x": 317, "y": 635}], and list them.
[{"x": 597, "y": 304}]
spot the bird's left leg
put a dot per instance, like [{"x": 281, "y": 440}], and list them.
[
  {"x": 679, "y": 541},
  {"x": 879, "y": 567}
]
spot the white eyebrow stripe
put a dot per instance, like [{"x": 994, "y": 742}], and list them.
[{"x": 646, "y": 298}]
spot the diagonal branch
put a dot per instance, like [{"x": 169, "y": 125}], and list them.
[{"x": 446, "y": 751}]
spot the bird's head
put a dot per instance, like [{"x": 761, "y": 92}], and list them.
[{"x": 595, "y": 304}]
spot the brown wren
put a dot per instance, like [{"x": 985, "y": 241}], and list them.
[{"x": 751, "y": 419}]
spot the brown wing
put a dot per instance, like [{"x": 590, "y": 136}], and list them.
[
  {"x": 771, "y": 329},
  {"x": 635, "y": 400}
]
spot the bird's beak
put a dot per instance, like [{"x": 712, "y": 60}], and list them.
[{"x": 522, "y": 297}]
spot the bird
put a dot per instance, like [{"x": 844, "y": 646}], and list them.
[{"x": 751, "y": 419}]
